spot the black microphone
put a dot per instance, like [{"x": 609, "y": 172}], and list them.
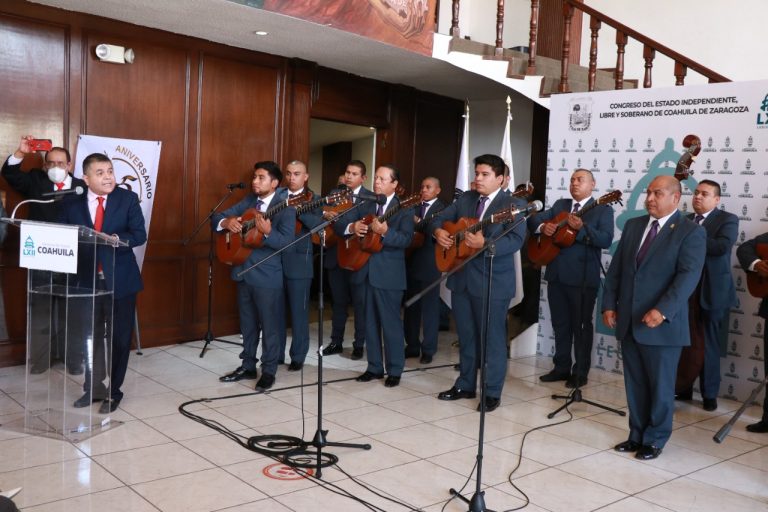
[
  {"x": 233, "y": 186},
  {"x": 365, "y": 195},
  {"x": 61, "y": 193}
]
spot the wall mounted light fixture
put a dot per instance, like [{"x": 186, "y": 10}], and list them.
[{"x": 115, "y": 54}]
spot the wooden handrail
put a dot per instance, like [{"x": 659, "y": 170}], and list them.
[
  {"x": 455, "y": 19},
  {"x": 713, "y": 76}
]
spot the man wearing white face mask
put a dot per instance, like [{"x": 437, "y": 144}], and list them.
[{"x": 33, "y": 184}]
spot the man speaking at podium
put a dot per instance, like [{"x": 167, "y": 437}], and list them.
[{"x": 115, "y": 211}]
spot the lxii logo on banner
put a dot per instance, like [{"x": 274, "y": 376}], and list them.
[{"x": 51, "y": 247}]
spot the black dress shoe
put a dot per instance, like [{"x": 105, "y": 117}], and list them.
[
  {"x": 392, "y": 381},
  {"x": 96, "y": 394},
  {"x": 627, "y": 446},
  {"x": 75, "y": 369},
  {"x": 456, "y": 367},
  {"x": 761, "y": 427},
  {"x": 294, "y": 366},
  {"x": 357, "y": 353},
  {"x": 239, "y": 374},
  {"x": 491, "y": 404},
  {"x": 411, "y": 352},
  {"x": 109, "y": 405},
  {"x": 574, "y": 381},
  {"x": 368, "y": 376},
  {"x": 425, "y": 359},
  {"x": 648, "y": 452},
  {"x": 455, "y": 394},
  {"x": 710, "y": 404},
  {"x": 554, "y": 376},
  {"x": 684, "y": 395},
  {"x": 333, "y": 348},
  {"x": 265, "y": 382}
]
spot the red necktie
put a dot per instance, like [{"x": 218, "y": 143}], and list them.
[
  {"x": 59, "y": 186},
  {"x": 98, "y": 222}
]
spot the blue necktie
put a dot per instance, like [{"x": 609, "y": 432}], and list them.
[
  {"x": 259, "y": 204},
  {"x": 423, "y": 211},
  {"x": 480, "y": 206},
  {"x": 647, "y": 242},
  {"x": 698, "y": 219}
]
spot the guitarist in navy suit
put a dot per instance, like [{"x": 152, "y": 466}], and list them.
[
  {"x": 382, "y": 278},
  {"x": 260, "y": 291},
  {"x": 298, "y": 270},
  {"x": 752, "y": 263},
  {"x": 574, "y": 276},
  {"x": 422, "y": 271},
  {"x": 116, "y": 211},
  {"x": 655, "y": 269},
  {"x": 339, "y": 279},
  {"x": 715, "y": 293},
  {"x": 468, "y": 285}
]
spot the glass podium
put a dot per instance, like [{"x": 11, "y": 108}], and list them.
[{"x": 69, "y": 335}]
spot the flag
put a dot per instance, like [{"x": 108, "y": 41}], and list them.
[
  {"x": 462, "y": 185},
  {"x": 506, "y": 155}
]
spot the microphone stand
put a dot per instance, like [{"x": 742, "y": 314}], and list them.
[
  {"x": 297, "y": 451},
  {"x": 725, "y": 429},
  {"x": 209, "y": 334},
  {"x": 477, "y": 502}
]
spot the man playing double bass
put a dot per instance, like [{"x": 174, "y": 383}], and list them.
[{"x": 574, "y": 276}]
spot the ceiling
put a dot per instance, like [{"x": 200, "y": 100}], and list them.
[{"x": 234, "y": 24}]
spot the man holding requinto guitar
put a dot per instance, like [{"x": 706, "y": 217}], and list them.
[
  {"x": 478, "y": 216},
  {"x": 261, "y": 223},
  {"x": 568, "y": 239},
  {"x": 378, "y": 234}
]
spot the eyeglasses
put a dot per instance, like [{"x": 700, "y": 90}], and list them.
[{"x": 60, "y": 165}]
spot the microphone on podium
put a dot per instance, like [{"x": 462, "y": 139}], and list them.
[
  {"x": 233, "y": 186},
  {"x": 61, "y": 193}
]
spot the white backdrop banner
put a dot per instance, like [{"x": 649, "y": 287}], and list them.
[
  {"x": 627, "y": 138},
  {"x": 135, "y": 163}
]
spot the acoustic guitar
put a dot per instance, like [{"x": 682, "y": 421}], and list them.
[
  {"x": 447, "y": 259},
  {"x": 354, "y": 252},
  {"x": 756, "y": 284},
  {"x": 542, "y": 249},
  {"x": 234, "y": 248},
  {"x": 331, "y": 199}
]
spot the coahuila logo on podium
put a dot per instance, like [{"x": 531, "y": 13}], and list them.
[{"x": 29, "y": 247}]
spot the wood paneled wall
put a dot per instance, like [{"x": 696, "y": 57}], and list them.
[{"x": 217, "y": 110}]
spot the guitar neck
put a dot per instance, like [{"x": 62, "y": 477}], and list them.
[
  {"x": 423, "y": 223},
  {"x": 283, "y": 204},
  {"x": 579, "y": 213},
  {"x": 307, "y": 207}
]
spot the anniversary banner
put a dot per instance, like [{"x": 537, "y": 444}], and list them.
[{"x": 627, "y": 138}]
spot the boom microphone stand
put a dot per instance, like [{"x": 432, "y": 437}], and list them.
[
  {"x": 297, "y": 452},
  {"x": 725, "y": 429},
  {"x": 209, "y": 334},
  {"x": 477, "y": 502},
  {"x": 576, "y": 395}
]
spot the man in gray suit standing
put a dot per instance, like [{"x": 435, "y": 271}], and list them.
[{"x": 655, "y": 269}]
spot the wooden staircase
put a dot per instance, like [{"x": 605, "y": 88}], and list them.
[{"x": 561, "y": 75}]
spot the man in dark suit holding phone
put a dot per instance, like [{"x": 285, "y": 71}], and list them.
[
  {"x": 655, "y": 269},
  {"x": 115, "y": 211}
]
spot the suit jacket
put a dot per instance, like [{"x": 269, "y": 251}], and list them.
[
  {"x": 122, "y": 217},
  {"x": 747, "y": 253},
  {"x": 385, "y": 269},
  {"x": 664, "y": 280},
  {"x": 579, "y": 263},
  {"x": 270, "y": 273},
  {"x": 421, "y": 264},
  {"x": 717, "y": 289},
  {"x": 297, "y": 260},
  {"x": 33, "y": 185},
  {"x": 471, "y": 279}
]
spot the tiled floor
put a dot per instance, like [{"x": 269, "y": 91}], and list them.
[{"x": 421, "y": 447}]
